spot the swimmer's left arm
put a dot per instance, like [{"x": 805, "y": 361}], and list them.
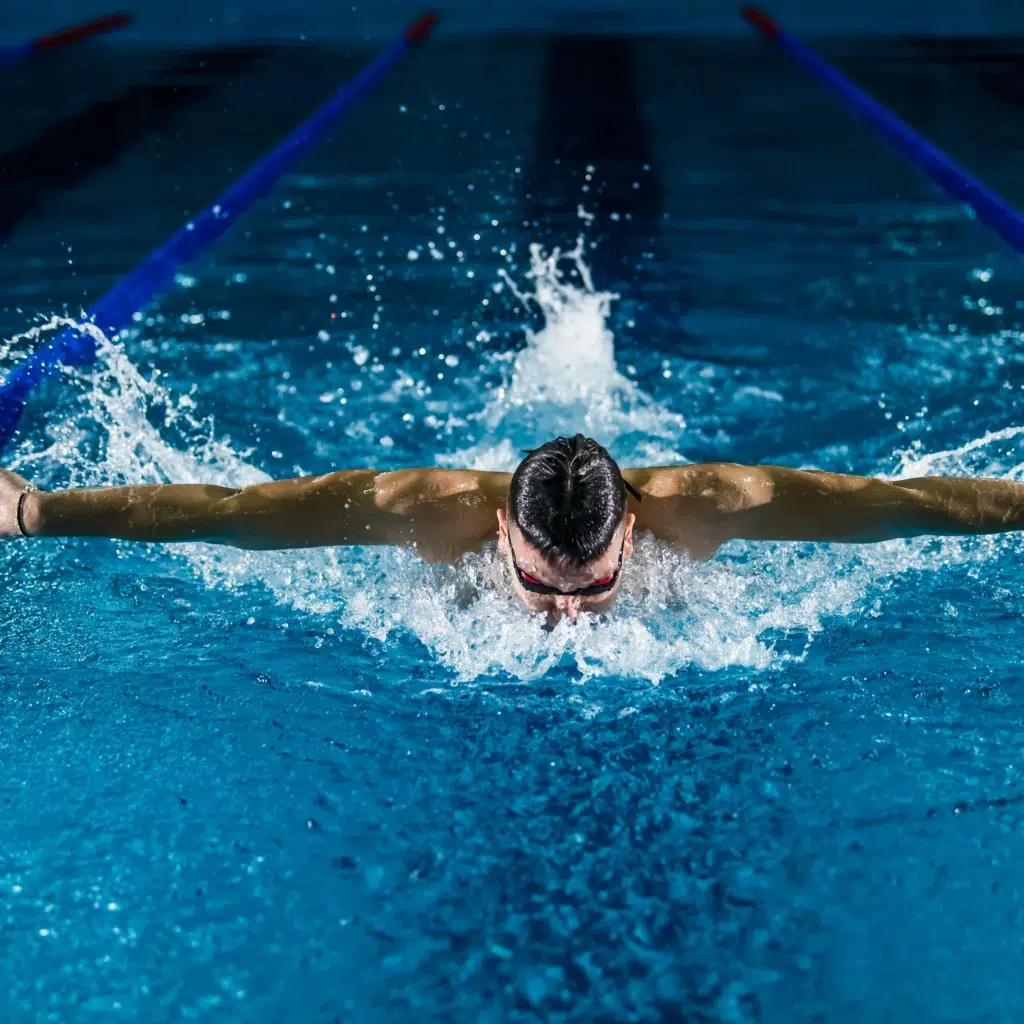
[{"x": 781, "y": 503}]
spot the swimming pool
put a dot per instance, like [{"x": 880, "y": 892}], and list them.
[{"x": 779, "y": 786}]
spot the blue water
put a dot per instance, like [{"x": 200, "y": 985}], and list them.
[{"x": 341, "y": 786}]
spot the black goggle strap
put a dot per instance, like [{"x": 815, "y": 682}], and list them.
[{"x": 632, "y": 490}]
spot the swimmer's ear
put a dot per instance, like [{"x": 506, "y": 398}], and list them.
[
  {"x": 627, "y": 544},
  {"x": 502, "y": 529}
]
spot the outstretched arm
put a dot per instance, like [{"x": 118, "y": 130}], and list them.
[
  {"x": 790, "y": 504},
  {"x": 725, "y": 501},
  {"x": 439, "y": 512}
]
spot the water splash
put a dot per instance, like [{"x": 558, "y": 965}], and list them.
[
  {"x": 987, "y": 454},
  {"x": 109, "y": 436},
  {"x": 565, "y": 378}
]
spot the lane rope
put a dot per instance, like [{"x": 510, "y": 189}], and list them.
[
  {"x": 990, "y": 208},
  {"x": 71, "y": 347}
]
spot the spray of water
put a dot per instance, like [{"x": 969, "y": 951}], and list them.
[
  {"x": 673, "y": 613},
  {"x": 565, "y": 378}
]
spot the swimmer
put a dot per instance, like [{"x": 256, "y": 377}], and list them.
[{"x": 564, "y": 521}]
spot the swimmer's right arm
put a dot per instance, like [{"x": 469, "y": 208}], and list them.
[{"x": 437, "y": 511}]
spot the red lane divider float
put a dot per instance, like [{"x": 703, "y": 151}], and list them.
[{"x": 64, "y": 37}]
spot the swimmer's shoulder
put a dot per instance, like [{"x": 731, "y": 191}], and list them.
[
  {"x": 688, "y": 505},
  {"x": 442, "y": 513},
  {"x": 401, "y": 487},
  {"x": 719, "y": 484}
]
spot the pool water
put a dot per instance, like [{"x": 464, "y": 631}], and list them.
[{"x": 783, "y": 785}]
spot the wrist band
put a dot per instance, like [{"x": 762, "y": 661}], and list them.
[{"x": 21, "y": 512}]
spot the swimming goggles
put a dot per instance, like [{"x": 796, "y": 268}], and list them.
[{"x": 534, "y": 586}]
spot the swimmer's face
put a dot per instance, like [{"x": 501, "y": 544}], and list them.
[{"x": 534, "y": 565}]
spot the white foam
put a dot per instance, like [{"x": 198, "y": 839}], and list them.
[{"x": 979, "y": 455}]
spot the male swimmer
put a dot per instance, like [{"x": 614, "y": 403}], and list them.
[{"x": 565, "y": 518}]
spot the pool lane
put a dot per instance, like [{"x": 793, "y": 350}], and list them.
[
  {"x": 471, "y": 114},
  {"x": 592, "y": 147},
  {"x": 67, "y": 152}
]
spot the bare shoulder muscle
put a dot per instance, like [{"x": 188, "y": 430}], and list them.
[
  {"x": 688, "y": 506},
  {"x": 441, "y": 513}
]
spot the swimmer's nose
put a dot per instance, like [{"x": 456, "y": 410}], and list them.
[{"x": 567, "y": 606}]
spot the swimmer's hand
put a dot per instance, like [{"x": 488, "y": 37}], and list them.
[{"x": 12, "y": 487}]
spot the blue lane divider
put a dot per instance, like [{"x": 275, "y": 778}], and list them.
[
  {"x": 991, "y": 209},
  {"x": 64, "y": 37},
  {"x": 115, "y": 310}
]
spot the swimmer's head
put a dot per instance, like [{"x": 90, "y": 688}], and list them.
[{"x": 566, "y": 532}]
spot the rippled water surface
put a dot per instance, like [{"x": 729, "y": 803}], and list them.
[{"x": 783, "y": 785}]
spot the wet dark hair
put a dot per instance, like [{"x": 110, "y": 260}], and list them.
[{"x": 568, "y": 499}]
